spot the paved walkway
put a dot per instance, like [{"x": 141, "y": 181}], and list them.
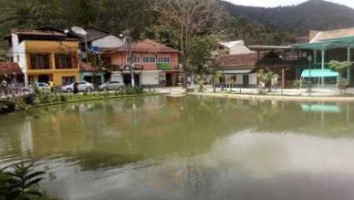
[{"x": 317, "y": 94}]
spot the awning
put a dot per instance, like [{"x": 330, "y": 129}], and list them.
[
  {"x": 316, "y": 73},
  {"x": 327, "y": 44}
]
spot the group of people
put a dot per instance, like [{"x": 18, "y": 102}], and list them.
[{"x": 8, "y": 88}]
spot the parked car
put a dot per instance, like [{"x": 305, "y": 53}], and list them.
[
  {"x": 112, "y": 85},
  {"x": 82, "y": 86},
  {"x": 42, "y": 86}
]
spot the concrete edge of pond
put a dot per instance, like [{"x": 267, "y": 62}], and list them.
[
  {"x": 95, "y": 99},
  {"x": 277, "y": 97}
]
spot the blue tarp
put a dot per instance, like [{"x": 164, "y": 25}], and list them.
[{"x": 318, "y": 73}]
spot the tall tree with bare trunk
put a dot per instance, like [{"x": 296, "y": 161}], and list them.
[{"x": 189, "y": 18}]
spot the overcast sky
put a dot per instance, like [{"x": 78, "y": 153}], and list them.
[{"x": 274, "y": 3}]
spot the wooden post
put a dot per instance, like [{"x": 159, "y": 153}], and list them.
[
  {"x": 283, "y": 77},
  {"x": 349, "y": 60},
  {"x": 52, "y": 63},
  {"x": 282, "y": 80}
]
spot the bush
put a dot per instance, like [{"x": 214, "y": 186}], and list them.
[
  {"x": 63, "y": 98},
  {"x": 7, "y": 106},
  {"x": 43, "y": 97},
  {"x": 133, "y": 90},
  {"x": 29, "y": 99}
]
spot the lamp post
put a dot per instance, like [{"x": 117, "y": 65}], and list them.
[
  {"x": 309, "y": 58},
  {"x": 129, "y": 55}
]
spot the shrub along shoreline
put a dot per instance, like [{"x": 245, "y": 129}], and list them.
[{"x": 44, "y": 99}]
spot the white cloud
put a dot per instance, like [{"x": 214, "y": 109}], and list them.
[{"x": 274, "y": 3}]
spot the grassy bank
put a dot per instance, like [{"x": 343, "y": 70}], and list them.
[{"x": 43, "y": 99}]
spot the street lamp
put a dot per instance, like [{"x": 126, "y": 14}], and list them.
[
  {"x": 309, "y": 58},
  {"x": 129, "y": 55}
]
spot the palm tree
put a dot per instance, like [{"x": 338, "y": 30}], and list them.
[
  {"x": 215, "y": 79},
  {"x": 265, "y": 77}
]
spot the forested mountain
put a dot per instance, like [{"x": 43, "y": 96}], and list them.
[
  {"x": 299, "y": 19},
  {"x": 113, "y": 15},
  {"x": 254, "y": 25}
]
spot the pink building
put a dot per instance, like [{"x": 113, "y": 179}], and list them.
[{"x": 157, "y": 63}]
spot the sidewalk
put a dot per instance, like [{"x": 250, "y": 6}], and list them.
[
  {"x": 286, "y": 92},
  {"x": 317, "y": 94},
  {"x": 255, "y": 91}
]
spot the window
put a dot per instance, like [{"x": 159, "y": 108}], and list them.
[
  {"x": 40, "y": 61},
  {"x": 149, "y": 59},
  {"x": 163, "y": 59},
  {"x": 136, "y": 59},
  {"x": 63, "y": 62}
]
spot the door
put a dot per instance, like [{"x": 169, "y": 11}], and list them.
[
  {"x": 137, "y": 79},
  {"x": 168, "y": 79},
  {"x": 43, "y": 79},
  {"x": 246, "y": 81}
]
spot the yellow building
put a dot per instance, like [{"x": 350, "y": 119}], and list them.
[{"x": 45, "y": 55}]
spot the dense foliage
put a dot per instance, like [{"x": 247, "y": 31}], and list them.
[
  {"x": 299, "y": 19},
  {"x": 45, "y": 98},
  {"x": 137, "y": 16}
]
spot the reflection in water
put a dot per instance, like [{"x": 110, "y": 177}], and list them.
[
  {"x": 187, "y": 148},
  {"x": 320, "y": 108}
]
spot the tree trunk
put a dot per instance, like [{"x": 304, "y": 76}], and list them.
[{"x": 185, "y": 73}]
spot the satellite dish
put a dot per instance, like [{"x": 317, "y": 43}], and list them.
[{"x": 78, "y": 30}]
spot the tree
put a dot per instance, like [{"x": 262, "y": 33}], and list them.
[
  {"x": 342, "y": 68},
  {"x": 265, "y": 76},
  {"x": 201, "y": 60},
  {"x": 215, "y": 79},
  {"x": 189, "y": 18}
]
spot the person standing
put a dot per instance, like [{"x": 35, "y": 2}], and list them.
[
  {"x": 4, "y": 86},
  {"x": 51, "y": 85},
  {"x": 76, "y": 89}
]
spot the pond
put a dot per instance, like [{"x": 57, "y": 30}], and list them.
[{"x": 193, "y": 147}]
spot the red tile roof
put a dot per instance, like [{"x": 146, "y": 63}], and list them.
[
  {"x": 9, "y": 68},
  {"x": 238, "y": 61},
  {"x": 147, "y": 46},
  {"x": 37, "y": 32},
  {"x": 316, "y": 36}
]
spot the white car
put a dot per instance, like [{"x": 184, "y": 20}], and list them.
[
  {"x": 82, "y": 86},
  {"x": 112, "y": 85},
  {"x": 41, "y": 86}
]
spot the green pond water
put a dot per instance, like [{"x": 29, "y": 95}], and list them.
[{"x": 195, "y": 148}]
